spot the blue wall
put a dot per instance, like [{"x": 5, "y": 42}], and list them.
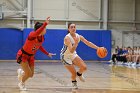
[{"x": 12, "y": 40}]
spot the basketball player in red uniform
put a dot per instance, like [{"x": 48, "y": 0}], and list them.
[{"x": 25, "y": 56}]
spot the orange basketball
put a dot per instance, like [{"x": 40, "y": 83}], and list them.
[{"x": 102, "y": 52}]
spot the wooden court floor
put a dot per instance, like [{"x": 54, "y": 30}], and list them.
[{"x": 52, "y": 77}]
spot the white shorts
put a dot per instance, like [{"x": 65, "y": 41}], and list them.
[{"x": 67, "y": 59}]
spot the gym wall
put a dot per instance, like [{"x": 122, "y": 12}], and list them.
[{"x": 11, "y": 41}]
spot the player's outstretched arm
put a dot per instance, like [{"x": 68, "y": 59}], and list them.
[
  {"x": 88, "y": 43},
  {"x": 38, "y": 31}
]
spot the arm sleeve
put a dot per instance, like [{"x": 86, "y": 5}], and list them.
[
  {"x": 38, "y": 31},
  {"x": 43, "y": 50}
]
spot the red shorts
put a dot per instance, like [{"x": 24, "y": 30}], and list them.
[{"x": 21, "y": 57}]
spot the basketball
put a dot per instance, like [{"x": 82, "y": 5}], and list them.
[{"x": 102, "y": 52}]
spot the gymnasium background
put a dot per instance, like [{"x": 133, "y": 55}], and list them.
[
  {"x": 13, "y": 39},
  {"x": 108, "y": 23}
]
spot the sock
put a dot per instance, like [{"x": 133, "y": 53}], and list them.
[
  {"x": 74, "y": 81},
  {"x": 79, "y": 74}
]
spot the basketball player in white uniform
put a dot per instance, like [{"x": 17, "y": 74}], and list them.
[{"x": 69, "y": 56}]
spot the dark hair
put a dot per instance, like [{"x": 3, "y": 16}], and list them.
[
  {"x": 69, "y": 26},
  {"x": 37, "y": 25}
]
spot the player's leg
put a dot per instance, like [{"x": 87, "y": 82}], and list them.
[
  {"x": 72, "y": 70},
  {"x": 114, "y": 58},
  {"x": 27, "y": 73},
  {"x": 31, "y": 64},
  {"x": 82, "y": 67},
  {"x": 70, "y": 67},
  {"x": 134, "y": 60},
  {"x": 27, "y": 70},
  {"x": 138, "y": 61}
]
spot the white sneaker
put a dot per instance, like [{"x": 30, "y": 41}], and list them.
[
  {"x": 129, "y": 63},
  {"x": 22, "y": 86},
  {"x": 74, "y": 85},
  {"x": 134, "y": 64},
  {"x": 138, "y": 65},
  {"x": 19, "y": 72},
  {"x": 82, "y": 78}
]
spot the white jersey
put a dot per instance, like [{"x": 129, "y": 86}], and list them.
[
  {"x": 65, "y": 50},
  {"x": 66, "y": 56}
]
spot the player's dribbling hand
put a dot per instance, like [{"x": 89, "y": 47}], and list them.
[{"x": 47, "y": 20}]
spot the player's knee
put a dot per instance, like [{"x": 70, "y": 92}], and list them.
[{"x": 84, "y": 68}]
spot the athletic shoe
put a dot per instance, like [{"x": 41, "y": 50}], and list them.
[
  {"x": 82, "y": 78},
  {"x": 138, "y": 65},
  {"x": 74, "y": 85},
  {"x": 134, "y": 64},
  {"x": 22, "y": 86},
  {"x": 19, "y": 72}
]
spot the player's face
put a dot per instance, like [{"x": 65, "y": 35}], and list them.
[{"x": 72, "y": 28}]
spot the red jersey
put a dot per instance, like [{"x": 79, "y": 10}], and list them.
[{"x": 34, "y": 41}]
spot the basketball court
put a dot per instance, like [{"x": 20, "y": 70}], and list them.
[
  {"x": 112, "y": 24},
  {"x": 52, "y": 77}
]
